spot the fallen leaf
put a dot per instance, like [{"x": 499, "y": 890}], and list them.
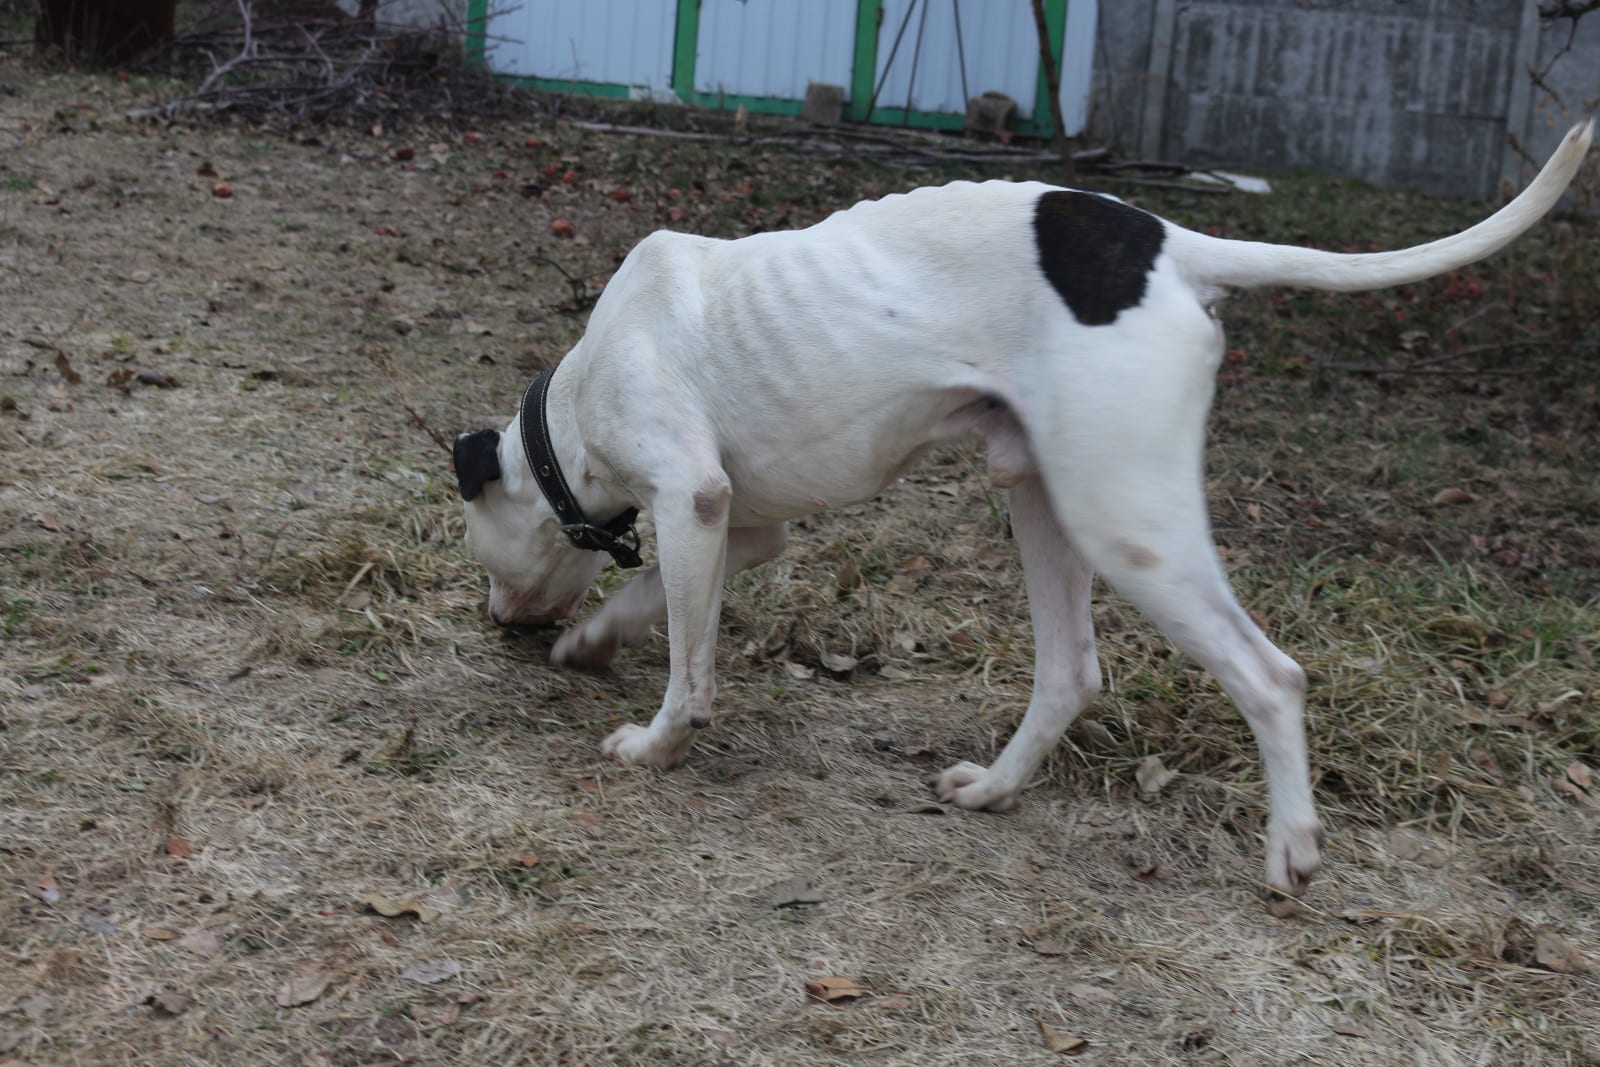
[
  {"x": 202, "y": 943},
  {"x": 890, "y": 673},
  {"x": 830, "y": 988},
  {"x": 394, "y": 907},
  {"x": 222, "y": 190},
  {"x": 1496, "y": 699},
  {"x": 1152, "y": 775},
  {"x": 927, "y": 807},
  {"x": 1085, "y": 995},
  {"x": 1282, "y": 907},
  {"x": 794, "y": 892},
  {"x": 562, "y": 228},
  {"x": 525, "y": 859},
  {"x": 1580, "y": 774},
  {"x": 46, "y": 889},
  {"x": 1453, "y": 496},
  {"x": 431, "y": 972},
  {"x": 303, "y": 493},
  {"x": 1049, "y": 946},
  {"x": 96, "y": 923},
  {"x": 1055, "y": 1041},
  {"x": 64, "y": 365},
  {"x": 1024, "y": 871},
  {"x": 893, "y": 1002},
  {"x": 307, "y": 983},
  {"x": 1152, "y": 872},
  {"x": 1410, "y": 845},
  {"x": 160, "y": 933},
  {"x": 1349, "y": 1030},
  {"x": 1555, "y": 953},
  {"x": 208, "y": 170},
  {"x": 836, "y": 663},
  {"x": 168, "y": 1004},
  {"x": 160, "y": 381},
  {"x": 179, "y": 847},
  {"x": 910, "y": 575},
  {"x": 800, "y": 671}
]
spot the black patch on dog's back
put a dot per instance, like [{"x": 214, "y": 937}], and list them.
[{"x": 1096, "y": 251}]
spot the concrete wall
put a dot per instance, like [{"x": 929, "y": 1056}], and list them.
[{"x": 1416, "y": 94}]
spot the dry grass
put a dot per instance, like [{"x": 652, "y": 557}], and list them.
[{"x": 237, "y": 613}]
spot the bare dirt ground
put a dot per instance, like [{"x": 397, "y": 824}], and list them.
[{"x": 248, "y": 688}]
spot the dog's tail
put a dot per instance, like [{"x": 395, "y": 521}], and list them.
[{"x": 1253, "y": 263}]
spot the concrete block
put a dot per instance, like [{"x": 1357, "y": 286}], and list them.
[
  {"x": 824, "y": 103},
  {"x": 991, "y": 113}
]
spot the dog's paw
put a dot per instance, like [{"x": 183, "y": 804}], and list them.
[
  {"x": 967, "y": 785},
  {"x": 635, "y": 744},
  {"x": 1294, "y": 854},
  {"x": 586, "y": 647}
]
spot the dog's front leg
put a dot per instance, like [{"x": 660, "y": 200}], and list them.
[
  {"x": 692, "y": 537},
  {"x": 629, "y": 614},
  {"x": 1066, "y": 673}
]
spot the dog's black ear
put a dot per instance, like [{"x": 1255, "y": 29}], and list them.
[{"x": 477, "y": 461}]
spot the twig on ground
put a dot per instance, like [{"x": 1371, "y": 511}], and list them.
[
  {"x": 380, "y": 360},
  {"x": 1433, "y": 364},
  {"x": 581, "y": 296}
]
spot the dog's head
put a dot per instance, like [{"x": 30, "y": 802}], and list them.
[{"x": 536, "y": 576}]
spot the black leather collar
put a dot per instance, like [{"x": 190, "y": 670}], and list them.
[{"x": 617, "y": 537}]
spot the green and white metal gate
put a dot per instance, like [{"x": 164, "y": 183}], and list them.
[{"x": 913, "y": 62}]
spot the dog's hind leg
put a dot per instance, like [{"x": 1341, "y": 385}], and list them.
[
  {"x": 1066, "y": 673},
  {"x": 1173, "y": 575},
  {"x": 1127, "y": 480},
  {"x": 627, "y": 615}
]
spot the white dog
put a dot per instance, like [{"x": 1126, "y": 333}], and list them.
[{"x": 729, "y": 386}]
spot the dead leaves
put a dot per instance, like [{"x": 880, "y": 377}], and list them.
[
  {"x": 1417, "y": 847},
  {"x": 308, "y": 982},
  {"x": 1577, "y": 781},
  {"x": 168, "y": 1005},
  {"x": 1541, "y": 948},
  {"x": 46, "y": 888},
  {"x": 123, "y": 379},
  {"x": 1152, "y": 775},
  {"x": 394, "y": 907},
  {"x": 202, "y": 943},
  {"x": 794, "y": 892},
  {"x": 1453, "y": 495},
  {"x": 835, "y": 663},
  {"x": 1054, "y": 1040},
  {"x": 431, "y": 972},
  {"x": 832, "y": 988}
]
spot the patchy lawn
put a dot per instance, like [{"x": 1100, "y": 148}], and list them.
[{"x": 249, "y": 691}]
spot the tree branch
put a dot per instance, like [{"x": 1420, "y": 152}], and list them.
[{"x": 1568, "y": 9}]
